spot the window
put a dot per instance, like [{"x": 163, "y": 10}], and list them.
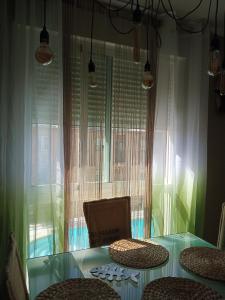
[
  {"x": 108, "y": 144},
  {"x": 110, "y": 122}
]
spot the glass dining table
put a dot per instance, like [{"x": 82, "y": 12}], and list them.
[{"x": 47, "y": 270}]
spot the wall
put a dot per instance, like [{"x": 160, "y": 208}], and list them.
[{"x": 215, "y": 194}]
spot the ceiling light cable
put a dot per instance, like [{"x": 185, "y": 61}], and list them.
[
  {"x": 91, "y": 65},
  {"x": 114, "y": 26},
  {"x": 113, "y": 9},
  {"x": 184, "y": 16},
  {"x": 148, "y": 79},
  {"x": 180, "y": 25}
]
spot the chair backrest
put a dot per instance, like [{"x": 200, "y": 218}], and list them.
[
  {"x": 15, "y": 284},
  {"x": 108, "y": 220},
  {"x": 221, "y": 235}
]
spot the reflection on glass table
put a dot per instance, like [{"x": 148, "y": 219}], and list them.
[
  {"x": 87, "y": 259},
  {"x": 48, "y": 270}
]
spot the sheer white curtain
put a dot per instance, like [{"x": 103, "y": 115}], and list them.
[
  {"x": 129, "y": 128},
  {"x": 103, "y": 162},
  {"x": 105, "y": 138},
  {"x": 31, "y": 108},
  {"x": 12, "y": 91},
  {"x": 44, "y": 137},
  {"x": 84, "y": 134},
  {"x": 180, "y": 148}
]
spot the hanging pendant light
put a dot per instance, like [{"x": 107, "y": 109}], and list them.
[
  {"x": 148, "y": 79},
  {"x": 44, "y": 54},
  {"x": 91, "y": 66},
  {"x": 137, "y": 14},
  {"x": 215, "y": 55},
  {"x": 137, "y": 18},
  {"x": 92, "y": 78}
]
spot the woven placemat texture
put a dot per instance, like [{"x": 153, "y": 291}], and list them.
[
  {"x": 174, "y": 288},
  {"x": 204, "y": 261},
  {"x": 138, "y": 254},
  {"x": 79, "y": 289}
]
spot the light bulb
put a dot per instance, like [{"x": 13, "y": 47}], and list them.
[
  {"x": 214, "y": 57},
  {"x": 214, "y": 62},
  {"x": 148, "y": 79},
  {"x": 222, "y": 83},
  {"x": 44, "y": 54},
  {"x": 92, "y": 75},
  {"x": 92, "y": 80}
]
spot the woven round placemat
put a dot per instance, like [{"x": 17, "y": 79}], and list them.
[
  {"x": 174, "y": 288},
  {"x": 204, "y": 261},
  {"x": 79, "y": 289},
  {"x": 138, "y": 254}
]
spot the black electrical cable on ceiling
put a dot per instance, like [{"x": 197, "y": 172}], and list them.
[
  {"x": 181, "y": 26},
  {"x": 145, "y": 7},
  {"x": 147, "y": 32},
  {"x": 152, "y": 10},
  {"x": 113, "y": 9},
  {"x": 191, "y": 11},
  {"x": 114, "y": 26},
  {"x": 131, "y": 6},
  {"x": 155, "y": 26},
  {"x": 194, "y": 31},
  {"x": 165, "y": 10},
  {"x": 216, "y": 16},
  {"x": 108, "y": 7},
  {"x": 224, "y": 43},
  {"x": 177, "y": 19},
  {"x": 152, "y": 23},
  {"x": 92, "y": 24},
  {"x": 157, "y": 9},
  {"x": 184, "y": 16},
  {"x": 44, "y": 13}
]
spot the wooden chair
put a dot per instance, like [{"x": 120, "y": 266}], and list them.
[
  {"x": 14, "y": 280},
  {"x": 221, "y": 235},
  {"x": 108, "y": 220}
]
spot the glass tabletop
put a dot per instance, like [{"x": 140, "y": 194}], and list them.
[
  {"x": 45, "y": 271},
  {"x": 87, "y": 259}
]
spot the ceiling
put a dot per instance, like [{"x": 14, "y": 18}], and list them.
[{"x": 181, "y": 7}]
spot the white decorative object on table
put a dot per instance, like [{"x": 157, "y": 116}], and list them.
[{"x": 113, "y": 271}]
